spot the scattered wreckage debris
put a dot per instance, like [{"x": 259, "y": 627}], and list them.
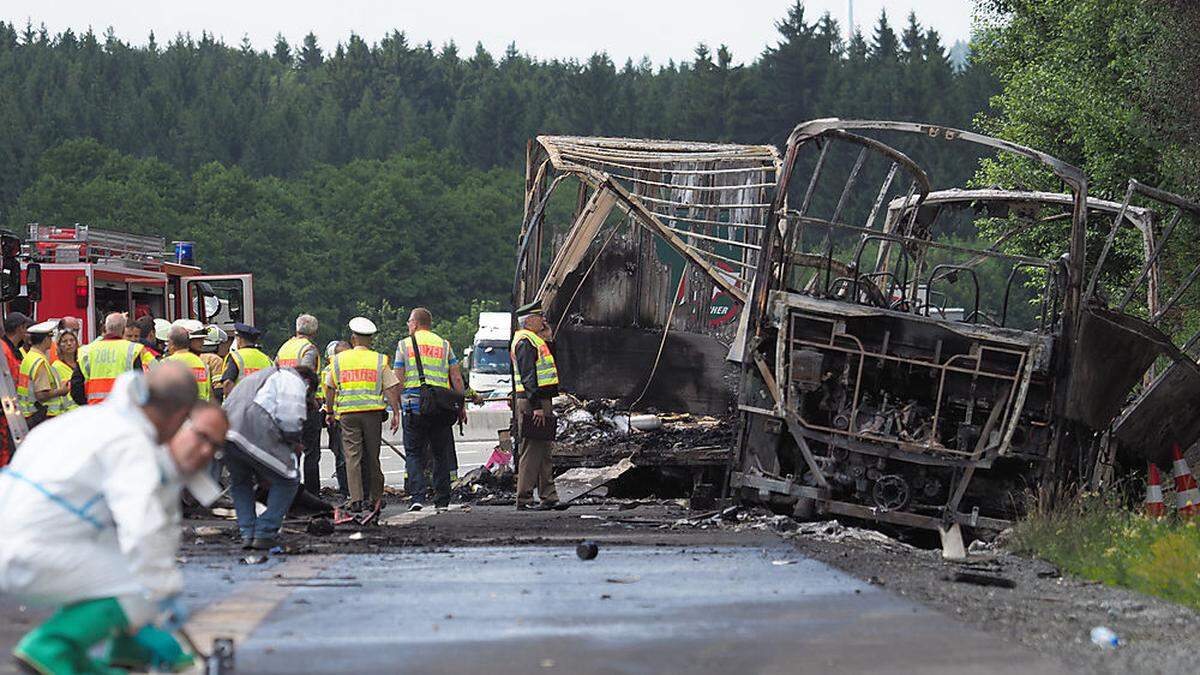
[
  {"x": 587, "y": 550},
  {"x": 496, "y": 486},
  {"x": 320, "y": 527},
  {"x": 983, "y": 580},
  {"x": 580, "y": 481},
  {"x": 674, "y": 454}
]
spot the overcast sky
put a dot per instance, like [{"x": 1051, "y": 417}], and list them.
[{"x": 660, "y": 29}]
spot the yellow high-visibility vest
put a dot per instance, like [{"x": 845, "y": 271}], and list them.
[
  {"x": 104, "y": 361},
  {"x": 321, "y": 387},
  {"x": 359, "y": 377},
  {"x": 547, "y": 372},
  {"x": 249, "y": 360},
  {"x": 26, "y": 396},
  {"x": 291, "y": 351},
  {"x": 435, "y": 360},
  {"x": 64, "y": 372},
  {"x": 199, "y": 372}
]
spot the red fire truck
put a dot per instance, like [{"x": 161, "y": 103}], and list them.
[{"x": 86, "y": 272}]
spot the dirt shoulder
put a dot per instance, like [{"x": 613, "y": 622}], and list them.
[{"x": 1046, "y": 611}]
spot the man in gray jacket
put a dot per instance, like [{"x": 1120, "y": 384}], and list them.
[{"x": 266, "y": 412}]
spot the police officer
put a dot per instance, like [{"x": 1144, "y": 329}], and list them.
[
  {"x": 246, "y": 360},
  {"x": 359, "y": 387},
  {"x": 40, "y": 391},
  {"x": 300, "y": 351},
  {"x": 425, "y": 436},
  {"x": 535, "y": 383},
  {"x": 104, "y": 360}
]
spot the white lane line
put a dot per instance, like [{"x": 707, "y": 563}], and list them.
[{"x": 238, "y": 615}]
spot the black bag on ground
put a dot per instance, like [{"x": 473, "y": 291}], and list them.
[{"x": 437, "y": 404}]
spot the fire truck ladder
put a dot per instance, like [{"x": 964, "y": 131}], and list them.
[{"x": 83, "y": 243}]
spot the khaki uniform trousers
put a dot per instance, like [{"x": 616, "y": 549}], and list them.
[
  {"x": 362, "y": 435},
  {"x": 536, "y": 468}
]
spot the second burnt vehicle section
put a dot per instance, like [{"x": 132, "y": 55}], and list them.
[{"x": 865, "y": 393}]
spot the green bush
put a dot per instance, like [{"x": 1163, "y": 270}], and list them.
[{"x": 1097, "y": 538}]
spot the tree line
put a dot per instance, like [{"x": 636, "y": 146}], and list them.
[
  {"x": 1111, "y": 87},
  {"x": 391, "y": 172}
]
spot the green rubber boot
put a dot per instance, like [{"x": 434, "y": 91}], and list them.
[
  {"x": 60, "y": 646},
  {"x": 151, "y": 649}
]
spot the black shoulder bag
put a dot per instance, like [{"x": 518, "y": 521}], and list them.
[{"x": 437, "y": 404}]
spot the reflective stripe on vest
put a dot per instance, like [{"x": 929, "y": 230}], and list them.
[
  {"x": 291, "y": 351},
  {"x": 435, "y": 360},
  {"x": 64, "y": 372},
  {"x": 199, "y": 372},
  {"x": 103, "y": 363},
  {"x": 321, "y": 384},
  {"x": 359, "y": 377},
  {"x": 26, "y": 396},
  {"x": 249, "y": 361},
  {"x": 547, "y": 372}
]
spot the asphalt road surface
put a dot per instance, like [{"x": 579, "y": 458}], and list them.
[{"x": 491, "y": 590}]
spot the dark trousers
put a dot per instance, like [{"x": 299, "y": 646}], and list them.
[
  {"x": 243, "y": 476},
  {"x": 423, "y": 442},
  {"x": 339, "y": 459},
  {"x": 311, "y": 438}
]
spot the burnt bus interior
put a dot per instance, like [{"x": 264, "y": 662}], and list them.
[
  {"x": 642, "y": 253},
  {"x": 903, "y": 365}
]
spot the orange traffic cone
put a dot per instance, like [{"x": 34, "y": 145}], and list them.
[
  {"x": 1154, "y": 499},
  {"x": 1187, "y": 493}
]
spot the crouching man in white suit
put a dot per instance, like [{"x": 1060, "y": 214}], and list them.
[{"x": 90, "y": 522}]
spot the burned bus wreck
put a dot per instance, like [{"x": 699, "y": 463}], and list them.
[
  {"x": 864, "y": 393},
  {"x": 642, "y": 253},
  {"x": 894, "y": 353}
]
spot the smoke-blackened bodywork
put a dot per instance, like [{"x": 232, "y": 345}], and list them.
[{"x": 916, "y": 370}]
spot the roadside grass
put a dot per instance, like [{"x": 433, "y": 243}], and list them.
[{"x": 1097, "y": 538}]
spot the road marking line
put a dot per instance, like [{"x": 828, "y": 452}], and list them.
[
  {"x": 238, "y": 615},
  {"x": 408, "y": 517}
]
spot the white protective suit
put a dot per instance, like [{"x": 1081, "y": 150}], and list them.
[{"x": 89, "y": 508}]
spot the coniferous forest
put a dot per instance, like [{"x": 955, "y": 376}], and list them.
[{"x": 351, "y": 174}]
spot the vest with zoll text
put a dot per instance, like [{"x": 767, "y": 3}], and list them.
[
  {"x": 291, "y": 351},
  {"x": 104, "y": 361},
  {"x": 249, "y": 361},
  {"x": 435, "y": 360},
  {"x": 547, "y": 372},
  {"x": 359, "y": 377},
  {"x": 199, "y": 372}
]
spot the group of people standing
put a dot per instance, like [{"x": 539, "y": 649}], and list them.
[{"x": 90, "y": 507}]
